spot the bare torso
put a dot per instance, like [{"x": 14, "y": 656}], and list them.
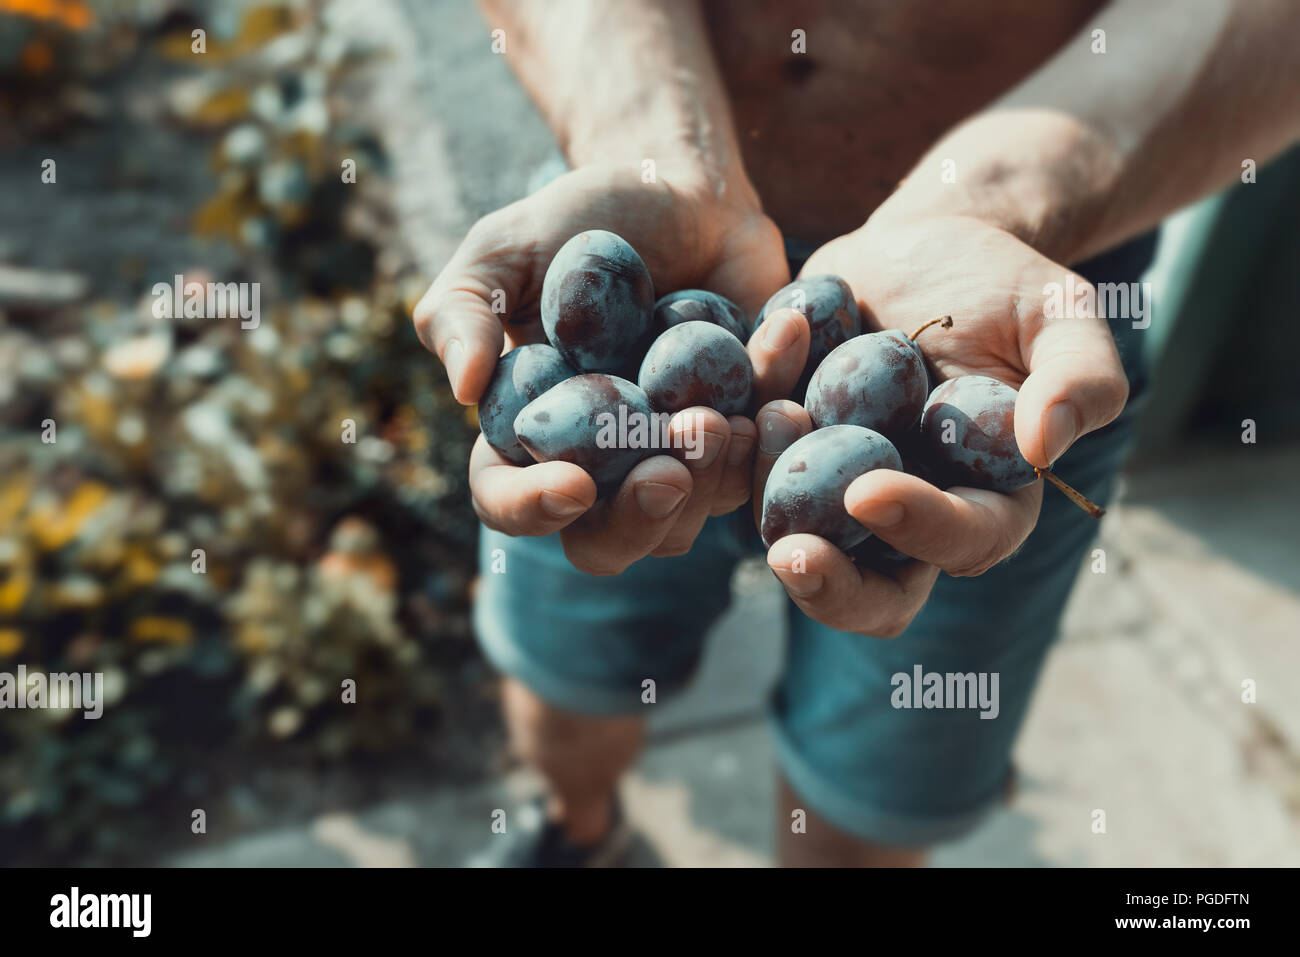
[{"x": 829, "y": 133}]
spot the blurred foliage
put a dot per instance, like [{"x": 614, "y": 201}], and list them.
[{"x": 200, "y": 530}]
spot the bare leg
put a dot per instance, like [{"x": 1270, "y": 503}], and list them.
[
  {"x": 580, "y": 756},
  {"x": 825, "y": 845}
]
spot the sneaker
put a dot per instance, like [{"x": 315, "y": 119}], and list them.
[{"x": 532, "y": 840}]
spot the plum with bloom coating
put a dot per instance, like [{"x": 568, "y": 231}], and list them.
[
  {"x": 692, "y": 305},
  {"x": 877, "y": 381},
  {"x": 698, "y": 363},
  {"x": 968, "y": 434},
  {"x": 831, "y": 309},
  {"x": 521, "y": 375},
  {"x": 597, "y": 302},
  {"x": 600, "y": 423},
  {"x": 805, "y": 489}
]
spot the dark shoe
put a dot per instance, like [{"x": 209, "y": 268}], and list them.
[{"x": 531, "y": 840}]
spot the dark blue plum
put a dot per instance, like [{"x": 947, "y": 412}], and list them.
[
  {"x": 521, "y": 375},
  {"x": 877, "y": 381},
  {"x": 878, "y": 555},
  {"x": 692, "y": 305},
  {"x": 698, "y": 363},
  {"x": 968, "y": 433},
  {"x": 831, "y": 309},
  {"x": 805, "y": 490},
  {"x": 600, "y": 423},
  {"x": 597, "y": 302}
]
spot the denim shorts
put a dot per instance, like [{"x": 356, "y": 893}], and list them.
[{"x": 896, "y": 776}]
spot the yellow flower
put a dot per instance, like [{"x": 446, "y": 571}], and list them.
[
  {"x": 172, "y": 631},
  {"x": 13, "y": 499},
  {"x": 55, "y": 526},
  {"x": 11, "y": 641},
  {"x": 14, "y": 591}
]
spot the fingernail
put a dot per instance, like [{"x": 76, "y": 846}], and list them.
[
  {"x": 658, "y": 500},
  {"x": 799, "y": 583},
  {"x": 739, "y": 449},
  {"x": 1060, "y": 429},
  {"x": 556, "y": 505},
  {"x": 776, "y": 433},
  {"x": 453, "y": 357},
  {"x": 707, "y": 447},
  {"x": 781, "y": 332},
  {"x": 879, "y": 514}
]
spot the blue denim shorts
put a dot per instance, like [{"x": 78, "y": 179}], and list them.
[{"x": 905, "y": 777}]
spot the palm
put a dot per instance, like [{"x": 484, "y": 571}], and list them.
[
  {"x": 685, "y": 244},
  {"x": 986, "y": 279}
]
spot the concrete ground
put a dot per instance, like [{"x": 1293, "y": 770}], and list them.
[
  {"x": 1140, "y": 709},
  {"x": 1139, "y": 713}
]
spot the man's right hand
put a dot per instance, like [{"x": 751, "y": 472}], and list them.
[{"x": 691, "y": 235}]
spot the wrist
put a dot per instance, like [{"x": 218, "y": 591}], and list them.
[
  {"x": 626, "y": 85},
  {"x": 1049, "y": 191},
  {"x": 705, "y": 168}
]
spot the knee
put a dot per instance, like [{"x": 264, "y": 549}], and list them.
[{"x": 551, "y": 738}]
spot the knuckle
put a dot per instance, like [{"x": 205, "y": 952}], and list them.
[
  {"x": 976, "y": 562},
  {"x": 956, "y": 554},
  {"x": 598, "y": 565},
  {"x": 423, "y": 311},
  {"x": 889, "y": 628},
  {"x": 485, "y": 517},
  {"x": 974, "y": 567},
  {"x": 833, "y": 616},
  {"x": 599, "y": 568},
  {"x": 422, "y": 319},
  {"x": 671, "y": 550},
  {"x": 483, "y": 230},
  {"x": 1115, "y": 394},
  {"x": 897, "y": 621}
]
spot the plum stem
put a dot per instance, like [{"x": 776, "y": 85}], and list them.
[
  {"x": 1096, "y": 511},
  {"x": 945, "y": 321}
]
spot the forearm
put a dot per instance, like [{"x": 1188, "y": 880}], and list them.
[
  {"x": 1095, "y": 147},
  {"x": 623, "y": 83}
]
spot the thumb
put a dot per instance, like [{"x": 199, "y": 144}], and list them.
[
  {"x": 1076, "y": 384},
  {"x": 778, "y": 350},
  {"x": 456, "y": 319}
]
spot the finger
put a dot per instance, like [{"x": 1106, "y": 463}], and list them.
[
  {"x": 778, "y": 350},
  {"x": 964, "y": 531},
  {"x": 455, "y": 318},
  {"x": 738, "y": 476},
  {"x": 829, "y": 588},
  {"x": 778, "y": 424},
  {"x": 699, "y": 438},
  {"x": 630, "y": 525},
  {"x": 1076, "y": 384},
  {"x": 534, "y": 500}
]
